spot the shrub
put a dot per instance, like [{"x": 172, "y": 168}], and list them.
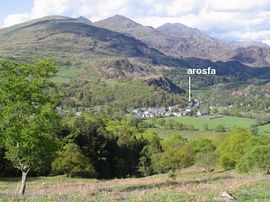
[
  {"x": 220, "y": 128},
  {"x": 233, "y": 148},
  {"x": 175, "y": 158},
  {"x": 207, "y": 160},
  {"x": 202, "y": 145},
  {"x": 257, "y": 157},
  {"x": 71, "y": 161},
  {"x": 174, "y": 141}
]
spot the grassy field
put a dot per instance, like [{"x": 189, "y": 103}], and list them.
[
  {"x": 191, "y": 184},
  {"x": 227, "y": 121},
  {"x": 265, "y": 128},
  {"x": 65, "y": 74}
]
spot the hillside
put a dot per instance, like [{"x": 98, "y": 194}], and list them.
[
  {"x": 198, "y": 44},
  {"x": 56, "y": 35},
  {"x": 178, "y": 40},
  {"x": 191, "y": 184},
  {"x": 77, "y": 42},
  {"x": 118, "y": 48}
]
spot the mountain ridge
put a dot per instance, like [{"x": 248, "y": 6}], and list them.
[
  {"x": 74, "y": 42},
  {"x": 178, "y": 40}
]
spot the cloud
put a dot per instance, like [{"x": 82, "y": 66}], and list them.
[
  {"x": 40, "y": 8},
  {"x": 229, "y": 19},
  {"x": 16, "y": 18}
]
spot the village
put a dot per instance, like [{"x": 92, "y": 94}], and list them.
[{"x": 194, "y": 108}]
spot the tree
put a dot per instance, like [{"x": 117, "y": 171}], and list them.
[
  {"x": 28, "y": 115},
  {"x": 71, "y": 161},
  {"x": 233, "y": 147},
  {"x": 202, "y": 145},
  {"x": 257, "y": 157},
  {"x": 151, "y": 148},
  {"x": 205, "y": 155},
  {"x": 173, "y": 141},
  {"x": 175, "y": 158},
  {"x": 207, "y": 160}
]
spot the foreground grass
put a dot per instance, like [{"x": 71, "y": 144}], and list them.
[{"x": 190, "y": 185}]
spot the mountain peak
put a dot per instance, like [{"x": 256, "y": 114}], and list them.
[
  {"x": 121, "y": 18},
  {"x": 117, "y": 22},
  {"x": 175, "y": 29},
  {"x": 84, "y": 19}
]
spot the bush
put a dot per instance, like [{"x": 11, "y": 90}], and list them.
[
  {"x": 207, "y": 160},
  {"x": 257, "y": 157},
  {"x": 220, "y": 128},
  {"x": 175, "y": 158},
  {"x": 152, "y": 148},
  {"x": 174, "y": 141},
  {"x": 233, "y": 148},
  {"x": 71, "y": 161},
  {"x": 202, "y": 145}
]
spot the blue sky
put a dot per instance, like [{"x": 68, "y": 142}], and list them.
[
  {"x": 227, "y": 19},
  {"x": 14, "y": 6}
]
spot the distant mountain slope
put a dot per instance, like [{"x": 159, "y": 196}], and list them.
[
  {"x": 178, "y": 40},
  {"x": 114, "y": 52},
  {"x": 147, "y": 34},
  {"x": 252, "y": 55},
  {"x": 198, "y": 44},
  {"x": 193, "y": 43},
  {"x": 56, "y": 36}
]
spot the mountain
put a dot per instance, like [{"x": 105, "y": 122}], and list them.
[
  {"x": 178, "y": 40},
  {"x": 198, "y": 44},
  {"x": 173, "y": 39},
  {"x": 191, "y": 42},
  {"x": 152, "y": 37},
  {"x": 84, "y": 19},
  {"x": 165, "y": 84},
  {"x": 252, "y": 56},
  {"x": 119, "y": 64},
  {"x": 117, "y": 47},
  {"x": 63, "y": 36}
]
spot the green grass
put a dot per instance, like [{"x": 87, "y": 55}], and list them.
[
  {"x": 265, "y": 128},
  {"x": 65, "y": 74},
  {"x": 227, "y": 121},
  {"x": 191, "y": 184}
]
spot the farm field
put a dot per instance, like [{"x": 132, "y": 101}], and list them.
[
  {"x": 191, "y": 184},
  {"x": 227, "y": 121}
]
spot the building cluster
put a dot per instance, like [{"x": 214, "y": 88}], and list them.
[{"x": 192, "y": 108}]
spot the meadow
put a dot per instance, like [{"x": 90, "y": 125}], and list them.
[
  {"x": 191, "y": 184},
  {"x": 228, "y": 122}
]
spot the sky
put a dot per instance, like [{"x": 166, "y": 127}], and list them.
[{"x": 243, "y": 20}]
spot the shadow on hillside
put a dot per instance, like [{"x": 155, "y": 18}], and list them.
[{"x": 170, "y": 183}]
